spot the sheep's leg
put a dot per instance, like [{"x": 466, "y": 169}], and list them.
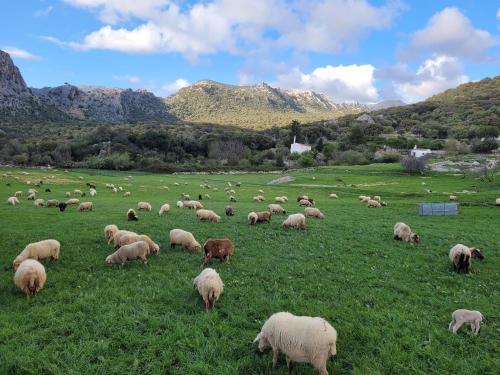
[
  {"x": 322, "y": 370},
  {"x": 276, "y": 352},
  {"x": 289, "y": 364},
  {"x": 451, "y": 324},
  {"x": 172, "y": 245},
  {"x": 457, "y": 326},
  {"x": 477, "y": 326}
]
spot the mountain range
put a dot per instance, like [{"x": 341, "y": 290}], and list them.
[{"x": 257, "y": 106}]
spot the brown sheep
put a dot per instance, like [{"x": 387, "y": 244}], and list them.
[{"x": 217, "y": 248}]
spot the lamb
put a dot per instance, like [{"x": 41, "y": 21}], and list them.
[
  {"x": 259, "y": 198},
  {"x": 132, "y": 215},
  {"x": 402, "y": 232},
  {"x": 180, "y": 204},
  {"x": 62, "y": 206},
  {"x": 229, "y": 211},
  {"x": 333, "y": 195},
  {"x": 461, "y": 257},
  {"x": 85, "y": 206},
  {"x": 144, "y": 206},
  {"x": 13, "y": 201},
  {"x": 52, "y": 203},
  {"x": 39, "y": 202},
  {"x": 461, "y": 316},
  {"x": 126, "y": 194},
  {"x": 301, "y": 338},
  {"x": 295, "y": 221},
  {"x": 453, "y": 198},
  {"x": 373, "y": 204},
  {"x": 164, "y": 209},
  {"x": 184, "y": 239},
  {"x": 276, "y": 209},
  {"x": 18, "y": 193},
  {"x": 313, "y": 212},
  {"x": 207, "y": 215},
  {"x": 128, "y": 238},
  {"x": 72, "y": 202},
  {"x": 110, "y": 231},
  {"x": 136, "y": 250},
  {"x": 217, "y": 248},
  {"x": 30, "y": 277},
  {"x": 252, "y": 218},
  {"x": 38, "y": 250},
  {"x": 209, "y": 285},
  {"x": 305, "y": 202}
]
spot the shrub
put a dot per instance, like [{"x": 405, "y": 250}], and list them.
[
  {"x": 489, "y": 144},
  {"x": 387, "y": 157},
  {"x": 412, "y": 164},
  {"x": 306, "y": 160},
  {"x": 352, "y": 157}
]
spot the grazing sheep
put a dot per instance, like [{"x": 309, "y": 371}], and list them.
[
  {"x": 31, "y": 197},
  {"x": 252, "y": 218},
  {"x": 279, "y": 200},
  {"x": 402, "y": 232},
  {"x": 373, "y": 204},
  {"x": 184, "y": 239},
  {"x": 128, "y": 238},
  {"x": 276, "y": 209},
  {"x": 185, "y": 196},
  {"x": 72, "y": 202},
  {"x": 208, "y": 215},
  {"x": 313, "y": 212},
  {"x": 180, "y": 204},
  {"x": 78, "y": 192},
  {"x": 453, "y": 198},
  {"x": 366, "y": 199},
  {"x": 115, "y": 190},
  {"x": 136, "y": 250},
  {"x": 263, "y": 216},
  {"x": 13, "y": 201},
  {"x": 132, "y": 215},
  {"x": 126, "y": 194},
  {"x": 144, "y": 206},
  {"x": 300, "y": 197},
  {"x": 193, "y": 204},
  {"x": 209, "y": 285},
  {"x": 461, "y": 316},
  {"x": 206, "y": 196},
  {"x": 232, "y": 199},
  {"x": 461, "y": 257},
  {"x": 377, "y": 198},
  {"x": 39, "y": 202},
  {"x": 32, "y": 191},
  {"x": 295, "y": 221},
  {"x": 259, "y": 198},
  {"x": 93, "y": 192},
  {"x": 67, "y": 194},
  {"x": 305, "y": 202},
  {"x": 38, "y": 250},
  {"x": 229, "y": 211},
  {"x": 52, "y": 203},
  {"x": 85, "y": 206},
  {"x": 497, "y": 201},
  {"x": 333, "y": 195},
  {"x": 220, "y": 249},
  {"x": 118, "y": 235},
  {"x": 301, "y": 338},
  {"x": 260, "y": 191},
  {"x": 62, "y": 206},
  {"x": 164, "y": 209},
  {"x": 110, "y": 231},
  {"x": 30, "y": 277},
  {"x": 18, "y": 193}
]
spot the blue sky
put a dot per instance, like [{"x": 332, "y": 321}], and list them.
[{"x": 351, "y": 50}]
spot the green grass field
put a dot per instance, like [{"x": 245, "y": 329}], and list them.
[{"x": 391, "y": 302}]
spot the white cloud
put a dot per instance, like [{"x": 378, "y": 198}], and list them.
[
  {"x": 450, "y": 33},
  {"x": 352, "y": 83},
  {"x": 234, "y": 26},
  {"x": 435, "y": 75},
  {"x": 128, "y": 78},
  {"x": 498, "y": 13},
  {"x": 43, "y": 12},
  {"x": 172, "y": 87},
  {"x": 20, "y": 53}
]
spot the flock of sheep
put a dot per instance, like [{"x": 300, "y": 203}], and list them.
[{"x": 301, "y": 338}]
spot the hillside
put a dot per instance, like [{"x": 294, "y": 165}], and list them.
[{"x": 258, "y": 106}]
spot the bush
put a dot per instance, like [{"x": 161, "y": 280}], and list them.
[
  {"x": 387, "y": 157},
  {"x": 306, "y": 160},
  {"x": 454, "y": 147},
  {"x": 412, "y": 164},
  {"x": 489, "y": 144},
  {"x": 352, "y": 157}
]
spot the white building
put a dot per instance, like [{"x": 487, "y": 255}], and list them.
[
  {"x": 299, "y": 148},
  {"x": 419, "y": 152}
]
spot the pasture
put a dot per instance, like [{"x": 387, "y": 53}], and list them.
[{"x": 390, "y": 301}]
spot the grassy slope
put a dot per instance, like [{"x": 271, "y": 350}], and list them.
[{"x": 390, "y": 302}]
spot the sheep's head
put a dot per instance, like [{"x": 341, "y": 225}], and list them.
[
  {"x": 197, "y": 247},
  {"x": 109, "y": 260},
  {"x": 476, "y": 253},
  {"x": 17, "y": 262},
  {"x": 415, "y": 238},
  {"x": 263, "y": 343}
]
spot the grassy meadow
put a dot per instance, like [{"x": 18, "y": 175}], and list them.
[{"x": 390, "y": 302}]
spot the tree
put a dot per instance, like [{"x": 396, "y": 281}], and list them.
[
  {"x": 356, "y": 136},
  {"x": 412, "y": 164}
]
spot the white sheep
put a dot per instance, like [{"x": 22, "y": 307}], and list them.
[
  {"x": 208, "y": 215},
  {"x": 73, "y": 201},
  {"x": 144, "y": 206},
  {"x": 295, "y": 221},
  {"x": 252, "y": 217},
  {"x": 126, "y": 194},
  {"x": 180, "y": 204},
  {"x": 39, "y": 202},
  {"x": 301, "y": 338},
  {"x": 86, "y": 206},
  {"x": 78, "y": 192},
  {"x": 377, "y": 198},
  {"x": 276, "y": 209},
  {"x": 333, "y": 195},
  {"x": 129, "y": 238},
  {"x": 110, "y": 231},
  {"x": 30, "y": 277},
  {"x": 373, "y": 204},
  {"x": 13, "y": 201},
  {"x": 18, "y": 193},
  {"x": 93, "y": 192},
  {"x": 402, "y": 232},
  {"x": 38, "y": 250},
  {"x": 305, "y": 202},
  {"x": 259, "y": 198},
  {"x": 279, "y": 200},
  {"x": 453, "y": 198},
  {"x": 209, "y": 285},
  {"x": 67, "y": 194},
  {"x": 164, "y": 209},
  {"x": 313, "y": 212},
  {"x": 136, "y": 250},
  {"x": 184, "y": 239},
  {"x": 120, "y": 233},
  {"x": 461, "y": 316},
  {"x": 461, "y": 257},
  {"x": 52, "y": 203},
  {"x": 497, "y": 201}
]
